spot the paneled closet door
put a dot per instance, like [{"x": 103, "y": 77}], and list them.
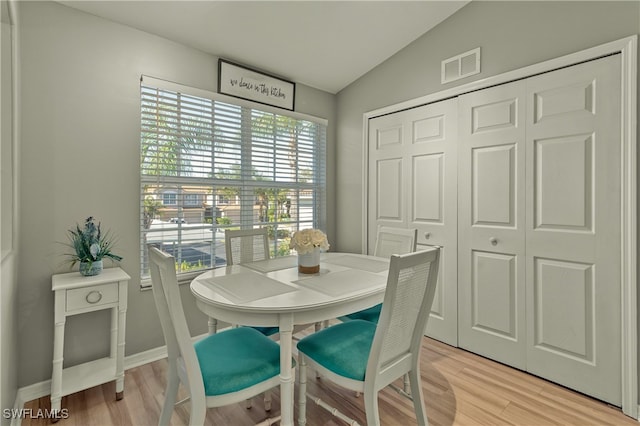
[
  {"x": 491, "y": 220},
  {"x": 412, "y": 184},
  {"x": 573, "y": 227},
  {"x": 388, "y": 172},
  {"x": 433, "y": 205}
]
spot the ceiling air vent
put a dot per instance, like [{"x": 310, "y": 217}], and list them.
[{"x": 461, "y": 66}]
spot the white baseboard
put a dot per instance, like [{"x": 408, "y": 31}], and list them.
[{"x": 38, "y": 390}]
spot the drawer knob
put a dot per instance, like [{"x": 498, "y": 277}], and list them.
[
  {"x": 493, "y": 241},
  {"x": 427, "y": 235},
  {"x": 93, "y": 297}
]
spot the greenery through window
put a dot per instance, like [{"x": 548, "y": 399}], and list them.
[{"x": 210, "y": 163}]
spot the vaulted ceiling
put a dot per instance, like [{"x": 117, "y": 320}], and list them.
[{"x": 323, "y": 44}]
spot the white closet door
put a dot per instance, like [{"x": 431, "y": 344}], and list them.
[
  {"x": 387, "y": 175},
  {"x": 573, "y": 227},
  {"x": 413, "y": 179},
  {"x": 433, "y": 205},
  {"x": 491, "y": 275}
]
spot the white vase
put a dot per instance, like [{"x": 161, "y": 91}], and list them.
[{"x": 309, "y": 263}]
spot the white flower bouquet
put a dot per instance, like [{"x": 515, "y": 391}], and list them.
[{"x": 306, "y": 240}]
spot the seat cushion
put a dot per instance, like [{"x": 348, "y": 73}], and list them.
[
  {"x": 267, "y": 331},
  {"x": 342, "y": 348},
  {"x": 371, "y": 314},
  {"x": 236, "y": 359}
]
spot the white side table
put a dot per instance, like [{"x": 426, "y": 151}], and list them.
[{"x": 77, "y": 294}]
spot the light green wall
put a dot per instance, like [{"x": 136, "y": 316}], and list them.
[
  {"x": 8, "y": 282},
  {"x": 80, "y": 157},
  {"x": 511, "y": 35}
]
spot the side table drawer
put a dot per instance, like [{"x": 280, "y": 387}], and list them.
[{"x": 88, "y": 297}]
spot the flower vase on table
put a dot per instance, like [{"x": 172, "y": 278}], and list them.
[
  {"x": 309, "y": 263},
  {"x": 308, "y": 243}
]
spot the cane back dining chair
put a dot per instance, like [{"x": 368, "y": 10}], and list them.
[
  {"x": 366, "y": 357},
  {"x": 221, "y": 369},
  {"x": 389, "y": 240},
  {"x": 248, "y": 245}
]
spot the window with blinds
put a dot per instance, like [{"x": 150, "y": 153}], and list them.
[{"x": 209, "y": 163}]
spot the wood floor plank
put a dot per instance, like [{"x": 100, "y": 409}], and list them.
[
  {"x": 460, "y": 388},
  {"x": 518, "y": 414},
  {"x": 478, "y": 396},
  {"x": 573, "y": 401},
  {"x": 476, "y": 415}
]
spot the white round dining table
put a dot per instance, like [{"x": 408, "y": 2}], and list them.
[{"x": 273, "y": 293}]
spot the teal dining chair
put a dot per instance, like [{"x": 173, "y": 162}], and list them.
[
  {"x": 389, "y": 240},
  {"x": 221, "y": 369},
  {"x": 248, "y": 245},
  {"x": 366, "y": 357}
]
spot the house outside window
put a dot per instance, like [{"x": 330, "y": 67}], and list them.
[
  {"x": 169, "y": 199},
  {"x": 191, "y": 200},
  {"x": 210, "y": 162}
]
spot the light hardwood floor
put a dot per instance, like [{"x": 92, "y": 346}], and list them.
[{"x": 460, "y": 388}]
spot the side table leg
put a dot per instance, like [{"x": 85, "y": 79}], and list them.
[
  {"x": 120, "y": 352},
  {"x": 58, "y": 358}
]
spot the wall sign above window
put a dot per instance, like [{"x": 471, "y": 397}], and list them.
[{"x": 242, "y": 82}]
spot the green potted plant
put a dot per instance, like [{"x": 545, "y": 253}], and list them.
[{"x": 90, "y": 246}]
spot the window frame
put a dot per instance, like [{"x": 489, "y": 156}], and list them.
[
  {"x": 171, "y": 196},
  {"x": 247, "y": 198}
]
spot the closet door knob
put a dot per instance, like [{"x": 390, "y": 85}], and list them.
[
  {"x": 427, "y": 235},
  {"x": 493, "y": 241}
]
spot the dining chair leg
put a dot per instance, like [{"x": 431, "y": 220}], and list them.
[
  {"x": 302, "y": 390},
  {"x": 417, "y": 397},
  {"x": 198, "y": 410},
  {"x": 371, "y": 408},
  {"x": 170, "y": 397},
  {"x": 407, "y": 385},
  {"x": 267, "y": 401}
]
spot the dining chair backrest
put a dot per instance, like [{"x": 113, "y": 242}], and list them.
[
  {"x": 411, "y": 286},
  {"x": 391, "y": 240},
  {"x": 246, "y": 245},
  {"x": 166, "y": 294},
  {"x": 219, "y": 369}
]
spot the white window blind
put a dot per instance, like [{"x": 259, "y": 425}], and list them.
[{"x": 209, "y": 162}]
